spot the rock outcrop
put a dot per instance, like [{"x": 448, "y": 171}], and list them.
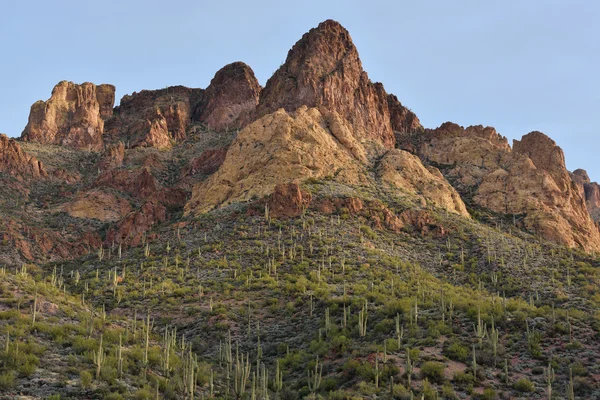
[
  {"x": 140, "y": 183},
  {"x": 530, "y": 180},
  {"x": 17, "y": 163},
  {"x": 73, "y": 116},
  {"x": 280, "y": 148},
  {"x": 402, "y": 119},
  {"x": 230, "y": 99},
  {"x": 590, "y": 191},
  {"x": 97, "y": 204},
  {"x": 288, "y": 200},
  {"x": 206, "y": 164},
  {"x": 131, "y": 229},
  {"x": 154, "y": 118},
  {"x": 323, "y": 69},
  {"x": 35, "y": 243},
  {"x": 112, "y": 157},
  {"x": 405, "y": 171}
]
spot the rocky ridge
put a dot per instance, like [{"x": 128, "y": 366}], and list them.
[{"x": 318, "y": 117}]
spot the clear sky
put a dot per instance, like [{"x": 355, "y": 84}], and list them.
[{"x": 517, "y": 65}]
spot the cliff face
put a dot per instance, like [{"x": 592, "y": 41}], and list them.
[
  {"x": 73, "y": 116},
  {"x": 154, "y": 118},
  {"x": 529, "y": 180},
  {"x": 323, "y": 69},
  {"x": 590, "y": 191},
  {"x": 17, "y": 163},
  {"x": 230, "y": 99}
]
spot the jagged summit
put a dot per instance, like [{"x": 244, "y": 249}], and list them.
[
  {"x": 323, "y": 69},
  {"x": 318, "y": 117}
]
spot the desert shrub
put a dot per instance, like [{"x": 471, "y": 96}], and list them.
[
  {"x": 7, "y": 380},
  {"x": 85, "y": 378},
  {"x": 524, "y": 385},
  {"x": 457, "y": 351},
  {"x": 433, "y": 370}
]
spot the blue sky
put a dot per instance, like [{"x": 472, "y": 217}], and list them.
[{"x": 517, "y": 65}]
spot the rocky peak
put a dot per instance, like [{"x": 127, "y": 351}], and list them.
[
  {"x": 544, "y": 153},
  {"x": 323, "y": 69},
  {"x": 590, "y": 191},
  {"x": 581, "y": 176},
  {"x": 15, "y": 162},
  {"x": 230, "y": 98},
  {"x": 73, "y": 116}
]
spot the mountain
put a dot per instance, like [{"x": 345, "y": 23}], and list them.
[{"x": 308, "y": 239}]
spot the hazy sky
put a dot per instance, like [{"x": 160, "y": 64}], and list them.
[{"x": 517, "y": 65}]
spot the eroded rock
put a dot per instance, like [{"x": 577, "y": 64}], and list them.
[{"x": 73, "y": 116}]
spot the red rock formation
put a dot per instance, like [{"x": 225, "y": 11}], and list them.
[
  {"x": 401, "y": 118},
  {"x": 154, "y": 118},
  {"x": 15, "y": 162},
  {"x": 230, "y": 98},
  {"x": 73, "y": 116},
  {"x": 288, "y": 200},
  {"x": 545, "y": 155},
  {"x": 112, "y": 157},
  {"x": 35, "y": 243},
  {"x": 140, "y": 183},
  {"x": 207, "y": 163},
  {"x": 323, "y": 70},
  {"x": 131, "y": 229},
  {"x": 590, "y": 191},
  {"x": 531, "y": 180},
  {"x": 105, "y": 94}
]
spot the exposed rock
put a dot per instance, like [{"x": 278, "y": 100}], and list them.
[
  {"x": 72, "y": 116},
  {"x": 154, "y": 118},
  {"x": 172, "y": 198},
  {"x": 281, "y": 148},
  {"x": 112, "y": 157},
  {"x": 230, "y": 98},
  {"x": 15, "y": 162},
  {"x": 106, "y": 99},
  {"x": 405, "y": 171},
  {"x": 207, "y": 163},
  {"x": 423, "y": 222},
  {"x": 139, "y": 183},
  {"x": 581, "y": 176},
  {"x": 545, "y": 155},
  {"x": 329, "y": 205},
  {"x": 97, "y": 204},
  {"x": 590, "y": 191},
  {"x": 323, "y": 70},
  {"x": 131, "y": 229},
  {"x": 35, "y": 243},
  {"x": 288, "y": 200},
  {"x": 68, "y": 177},
  {"x": 401, "y": 118},
  {"x": 531, "y": 180}
]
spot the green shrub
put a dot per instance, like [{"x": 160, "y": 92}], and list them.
[
  {"x": 524, "y": 385},
  {"x": 433, "y": 370},
  {"x": 489, "y": 394},
  {"x": 457, "y": 351},
  {"x": 7, "y": 380},
  {"x": 86, "y": 379}
]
